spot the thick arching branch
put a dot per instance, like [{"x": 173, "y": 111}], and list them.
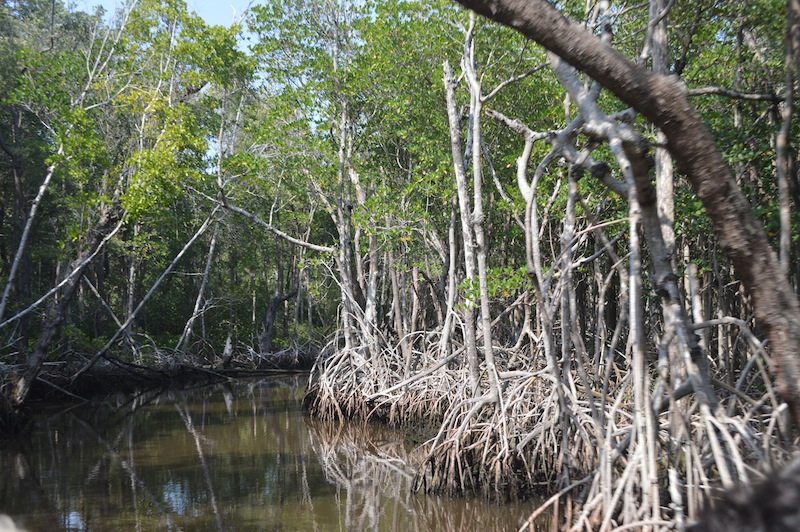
[{"x": 664, "y": 100}]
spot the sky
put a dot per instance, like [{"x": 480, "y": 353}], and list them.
[{"x": 214, "y": 12}]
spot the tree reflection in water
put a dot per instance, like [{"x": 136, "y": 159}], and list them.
[
  {"x": 239, "y": 456},
  {"x": 374, "y": 470}
]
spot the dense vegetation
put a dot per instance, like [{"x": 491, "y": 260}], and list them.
[{"x": 479, "y": 240}]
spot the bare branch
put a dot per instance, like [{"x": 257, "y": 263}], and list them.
[
  {"x": 78, "y": 269},
  {"x": 736, "y": 95},
  {"x": 269, "y": 227},
  {"x": 511, "y": 80}
]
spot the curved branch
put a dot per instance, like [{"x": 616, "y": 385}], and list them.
[
  {"x": 664, "y": 101},
  {"x": 269, "y": 227},
  {"x": 277, "y": 232},
  {"x": 736, "y": 95}
]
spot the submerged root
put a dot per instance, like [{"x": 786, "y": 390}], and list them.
[
  {"x": 509, "y": 448},
  {"x": 350, "y": 384},
  {"x": 544, "y": 434}
]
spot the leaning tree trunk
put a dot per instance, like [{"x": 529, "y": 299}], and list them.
[
  {"x": 22, "y": 255},
  {"x": 58, "y": 312},
  {"x": 664, "y": 101},
  {"x": 25, "y": 220},
  {"x": 188, "y": 330}
]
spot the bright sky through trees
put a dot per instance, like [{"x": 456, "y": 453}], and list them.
[{"x": 222, "y": 12}]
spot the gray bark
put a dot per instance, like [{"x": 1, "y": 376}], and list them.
[
  {"x": 465, "y": 209},
  {"x": 188, "y": 330},
  {"x": 664, "y": 101},
  {"x": 58, "y": 312}
]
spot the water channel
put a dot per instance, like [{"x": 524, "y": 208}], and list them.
[{"x": 235, "y": 456}]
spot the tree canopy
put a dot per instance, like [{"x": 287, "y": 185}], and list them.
[{"x": 468, "y": 219}]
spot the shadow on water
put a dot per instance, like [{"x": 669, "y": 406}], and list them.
[{"x": 238, "y": 456}]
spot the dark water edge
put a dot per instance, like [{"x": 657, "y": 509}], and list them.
[{"x": 233, "y": 456}]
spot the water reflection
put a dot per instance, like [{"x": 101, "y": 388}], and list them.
[{"x": 237, "y": 456}]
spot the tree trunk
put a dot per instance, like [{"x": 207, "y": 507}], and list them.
[
  {"x": 130, "y": 292},
  {"x": 664, "y": 101},
  {"x": 188, "y": 330},
  {"x": 477, "y": 216},
  {"x": 663, "y": 159},
  {"x": 397, "y": 311},
  {"x": 58, "y": 312},
  {"x": 100, "y": 271},
  {"x": 783, "y": 138},
  {"x": 466, "y": 224},
  {"x": 265, "y": 340},
  {"x": 449, "y": 289}
]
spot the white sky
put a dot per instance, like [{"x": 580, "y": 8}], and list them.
[{"x": 214, "y": 12}]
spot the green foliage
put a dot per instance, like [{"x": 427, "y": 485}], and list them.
[
  {"x": 165, "y": 105},
  {"x": 504, "y": 284},
  {"x": 123, "y": 111},
  {"x": 214, "y": 51}
]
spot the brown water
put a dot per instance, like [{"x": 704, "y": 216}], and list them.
[{"x": 238, "y": 456}]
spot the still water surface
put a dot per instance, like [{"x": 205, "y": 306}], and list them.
[{"x": 236, "y": 456}]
